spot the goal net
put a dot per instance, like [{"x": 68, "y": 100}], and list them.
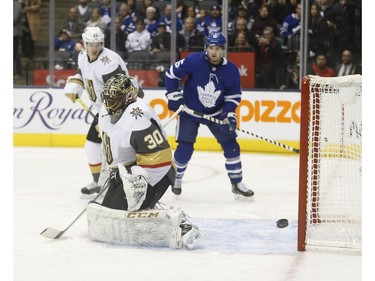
[{"x": 330, "y": 185}]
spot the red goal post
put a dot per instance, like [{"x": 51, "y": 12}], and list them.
[{"x": 330, "y": 177}]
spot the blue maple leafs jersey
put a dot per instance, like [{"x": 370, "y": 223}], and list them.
[{"x": 209, "y": 89}]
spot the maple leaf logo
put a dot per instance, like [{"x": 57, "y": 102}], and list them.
[{"x": 208, "y": 95}]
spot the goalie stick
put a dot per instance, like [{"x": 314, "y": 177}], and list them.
[
  {"x": 218, "y": 121},
  {"x": 52, "y": 233}
]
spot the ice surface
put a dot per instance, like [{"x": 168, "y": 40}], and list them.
[{"x": 242, "y": 242}]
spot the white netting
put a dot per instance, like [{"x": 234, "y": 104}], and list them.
[{"x": 334, "y": 205}]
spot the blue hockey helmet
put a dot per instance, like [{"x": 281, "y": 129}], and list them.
[{"x": 216, "y": 38}]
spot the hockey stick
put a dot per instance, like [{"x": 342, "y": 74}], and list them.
[
  {"x": 85, "y": 107},
  {"x": 174, "y": 115},
  {"x": 52, "y": 233},
  {"x": 218, "y": 121}
]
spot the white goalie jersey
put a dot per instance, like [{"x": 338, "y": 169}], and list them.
[
  {"x": 95, "y": 74},
  {"x": 137, "y": 137}
]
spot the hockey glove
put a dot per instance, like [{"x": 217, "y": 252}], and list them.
[
  {"x": 73, "y": 87},
  {"x": 135, "y": 186},
  {"x": 230, "y": 123},
  {"x": 174, "y": 100}
]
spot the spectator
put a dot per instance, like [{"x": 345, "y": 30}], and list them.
[
  {"x": 240, "y": 24},
  {"x": 320, "y": 67},
  {"x": 241, "y": 44},
  {"x": 267, "y": 60},
  {"x": 181, "y": 8},
  {"x": 63, "y": 43},
  {"x": 134, "y": 11},
  {"x": 346, "y": 66},
  {"x": 318, "y": 36},
  {"x": 140, "y": 39},
  {"x": 17, "y": 33},
  {"x": 150, "y": 3},
  {"x": 199, "y": 21},
  {"x": 329, "y": 16},
  {"x": 167, "y": 19},
  {"x": 241, "y": 13},
  {"x": 278, "y": 11},
  {"x": 96, "y": 20},
  {"x": 291, "y": 80},
  {"x": 190, "y": 12},
  {"x": 74, "y": 24},
  {"x": 290, "y": 29},
  {"x": 192, "y": 37},
  {"x": 262, "y": 20},
  {"x": 105, "y": 11},
  {"x": 213, "y": 21},
  {"x": 32, "y": 11},
  {"x": 150, "y": 21},
  {"x": 345, "y": 12},
  {"x": 232, "y": 10},
  {"x": 120, "y": 38},
  {"x": 127, "y": 22},
  {"x": 84, "y": 11},
  {"x": 162, "y": 41},
  {"x": 251, "y": 7}
]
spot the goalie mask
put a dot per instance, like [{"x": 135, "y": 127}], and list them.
[{"x": 118, "y": 92}]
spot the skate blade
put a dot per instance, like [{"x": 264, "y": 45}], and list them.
[{"x": 239, "y": 197}]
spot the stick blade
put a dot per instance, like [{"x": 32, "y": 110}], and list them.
[{"x": 51, "y": 233}]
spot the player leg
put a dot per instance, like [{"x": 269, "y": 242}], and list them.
[
  {"x": 233, "y": 165},
  {"x": 156, "y": 192},
  {"x": 115, "y": 196},
  {"x": 186, "y": 134},
  {"x": 93, "y": 149}
]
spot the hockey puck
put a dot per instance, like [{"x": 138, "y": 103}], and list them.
[{"x": 281, "y": 223}]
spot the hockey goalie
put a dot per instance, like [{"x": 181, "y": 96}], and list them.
[{"x": 140, "y": 158}]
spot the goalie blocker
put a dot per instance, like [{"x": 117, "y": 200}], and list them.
[{"x": 152, "y": 227}]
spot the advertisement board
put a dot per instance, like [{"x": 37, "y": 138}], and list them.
[{"x": 43, "y": 115}]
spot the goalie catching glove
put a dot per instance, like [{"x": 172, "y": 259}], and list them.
[
  {"x": 230, "y": 122},
  {"x": 74, "y": 87},
  {"x": 174, "y": 100},
  {"x": 135, "y": 185}
]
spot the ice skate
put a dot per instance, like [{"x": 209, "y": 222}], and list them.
[
  {"x": 90, "y": 191},
  {"x": 176, "y": 188},
  {"x": 241, "y": 192}
]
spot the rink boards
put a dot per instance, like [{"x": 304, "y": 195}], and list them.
[{"x": 45, "y": 117}]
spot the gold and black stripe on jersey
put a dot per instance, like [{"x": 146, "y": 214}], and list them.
[{"x": 152, "y": 148}]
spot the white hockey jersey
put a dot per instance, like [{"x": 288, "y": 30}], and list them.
[
  {"x": 137, "y": 137},
  {"x": 95, "y": 74}
]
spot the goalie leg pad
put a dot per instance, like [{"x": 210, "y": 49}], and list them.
[{"x": 154, "y": 227}]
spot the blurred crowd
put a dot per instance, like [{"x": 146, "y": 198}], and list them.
[{"x": 268, "y": 28}]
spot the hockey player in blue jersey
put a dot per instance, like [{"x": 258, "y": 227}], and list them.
[{"x": 212, "y": 87}]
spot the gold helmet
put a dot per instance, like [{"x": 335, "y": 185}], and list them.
[{"x": 118, "y": 92}]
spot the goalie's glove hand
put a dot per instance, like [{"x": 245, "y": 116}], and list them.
[
  {"x": 139, "y": 177},
  {"x": 135, "y": 186},
  {"x": 174, "y": 100},
  {"x": 230, "y": 123},
  {"x": 73, "y": 88}
]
